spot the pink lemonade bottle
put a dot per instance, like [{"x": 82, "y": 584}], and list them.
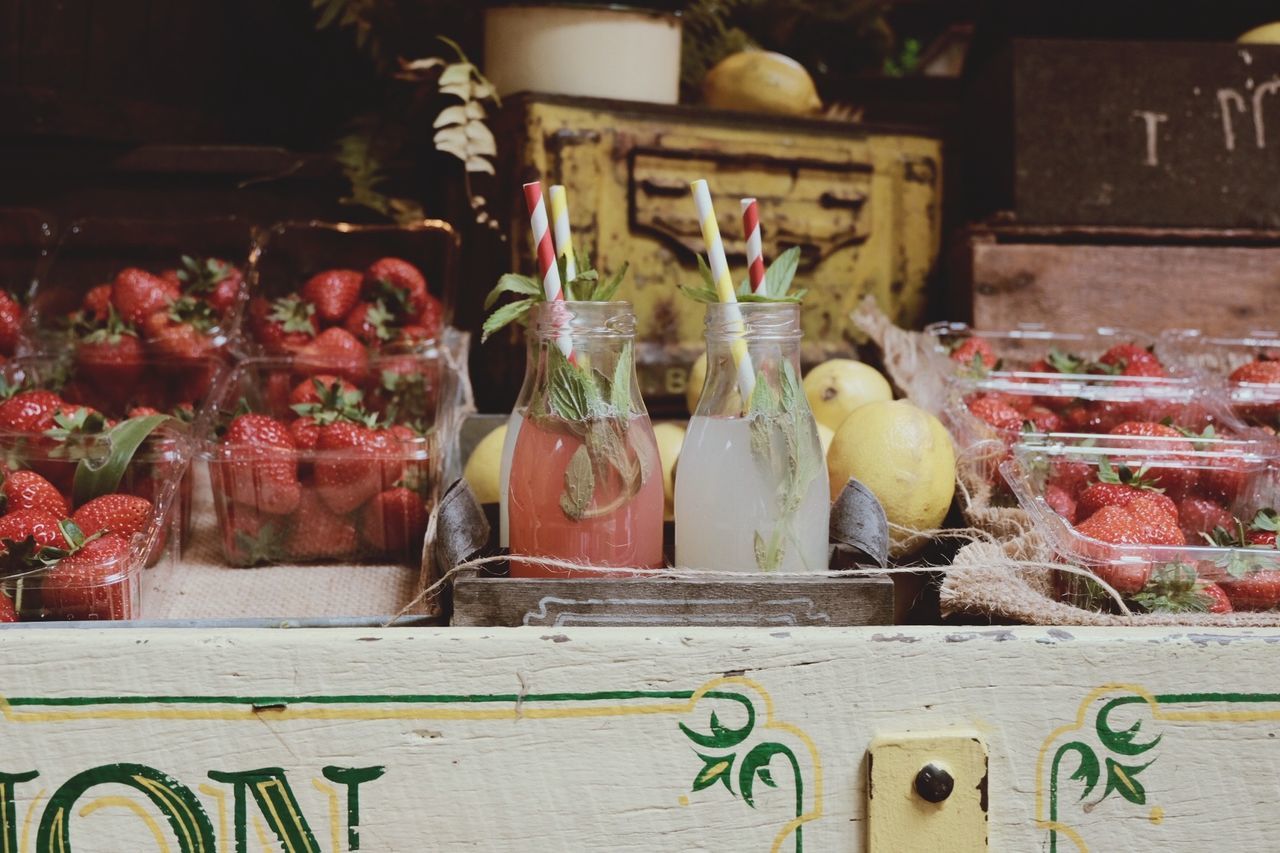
[{"x": 586, "y": 483}]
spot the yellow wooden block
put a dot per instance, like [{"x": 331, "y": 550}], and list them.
[{"x": 927, "y": 792}]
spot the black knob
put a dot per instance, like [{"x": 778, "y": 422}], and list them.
[{"x": 934, "y": 784}]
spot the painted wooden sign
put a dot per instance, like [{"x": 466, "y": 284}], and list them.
[{"x": 663, "y": 739}]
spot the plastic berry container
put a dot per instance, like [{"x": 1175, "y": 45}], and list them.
[
  {"x": 26, "y": 239},
  {"x": 142, "y": 300},
  {"x": 1020, "y": 349},
  {"x": 340, "y": 291},
  {"x": 1247, "y": 368},
  {"x": 88, "y": 504},
  {"x": 1170, "y": 525},
  {"x": 307, "y": 466}
]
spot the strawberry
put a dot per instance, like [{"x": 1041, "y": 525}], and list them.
[
  {"x": 1175, "y": 479},
  {"x": 431, "y": 318},
  {"x": 1120, "y": 487},
  {"x": 1061, "y": 502},
  {"x": 354, "y": 463},
  {"x": 1225, "y": 480},
  {"x": 1255, "y": 591},
  {"x": 1258, "y": 380},
  {"x": 137, "y": 293},
  {"x": 1158, "y": 526},
  {"x": 250, "y": 538},
  {"x": 96, "y": 305},
  {"x": 312, "y": 390},
  {"x": 318, "y": 533},
  {"x": 29, "y": 411},
  {"x": 974, "y": 351},
  {"x": 92, "y": 583},
  {"x": 371, "y": 323},
  {"x": 259, "y": 468},
  {"x": 120, "y": 514},
  {"x": 334, "y": 293},
  {"x": 181, "y": 332},
  {"x": 305, "y": 432},
  {"x": 24, "y": 490},
  {"x": 395, "y": 522},
  {"x": 1176, "y": 588},
  {"x": 41, "y": 526},
  {"x": 337, "y": 350},
  {"x": 1044, "y": 419},
  {"x": 414, "y": 334},
  {"x": 996, "y": 412},
  {"x": 1132, "y": 360},
  {"x": 1197, "y": 516},
  {"x": 1219, "y": 601},
  {"x": 1257, "y": 372},
  {"x": 217, "y": 281},
  {"x": 1144, "y": 521},
  {"x": 110, "y": 360},
  {"x": 1070, "y": 475},
  {"x": 399, "y": 283},
  {"x": 10, "y": 323},
  {"x": 141, "y": 412},
  {"x": 284, "y": 325},
  {"x": 1263, "y": 528},
  {"x": 7, "y": 611}
]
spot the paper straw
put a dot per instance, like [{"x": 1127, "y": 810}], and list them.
[
  {"x": 724, "y": 285},
  {"x": 755, "y": 249},
  {"x": 546, "y": 257},
  {"x": 560, "y": 227}
]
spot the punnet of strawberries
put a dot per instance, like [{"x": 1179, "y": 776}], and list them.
[
  {"x": 309, "y": 465},
  {"x": 84, "y": 502},
  {"x": 342, "y": 316},
  {"x": 1172, "y": 523}
]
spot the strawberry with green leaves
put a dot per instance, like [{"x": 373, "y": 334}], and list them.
[
  {"x": 93, "y": 582},
  {"x": 399, "y": 284},
  {"x": 1256, "y": 391},
  {"x": 394, "y": 521},
  {"x": 260, "y": 469},
  {"x": 111, "y": 359},
  {"x": 136, "y": 294},
  {"x": 23, "y": 490},
  {"x": 1119, "y": 487},
  {"x": 334, "y": 293},
  {"x": 337, "y": 351},
  {"x": 213, "y": 280},
  {"x": 1177, "y": 588},
  {"x": 283, "y": 326},
  {"x": 974, "y": 353},
  {"x": 319, "y": 533},
  {"x": 354, "y": 462},
  {"x": 1259, "y": 590}
]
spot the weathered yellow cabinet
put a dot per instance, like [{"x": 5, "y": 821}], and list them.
[{"x": 861, "y": 202}]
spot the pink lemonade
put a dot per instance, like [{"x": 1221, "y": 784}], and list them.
[{"x": 613, "y": 529}]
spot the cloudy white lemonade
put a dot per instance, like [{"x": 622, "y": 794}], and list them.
[
  {"x": 727, "y": 503},
  {"x": 751, "y": 483}
]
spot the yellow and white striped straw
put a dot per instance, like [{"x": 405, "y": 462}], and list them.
[
  {"x": 724, "y": 286},
  {"x": 560, "y": 227}
]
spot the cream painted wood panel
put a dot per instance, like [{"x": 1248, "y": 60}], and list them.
[{"x": 628, "y": 740}]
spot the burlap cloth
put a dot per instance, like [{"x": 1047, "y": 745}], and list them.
[
  {"x": 1008, "y": 575},
  {"x": 195, "y": 584}
]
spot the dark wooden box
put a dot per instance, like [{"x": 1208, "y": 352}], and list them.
[
  {"x": 1222, "y": 281},
  {"x": 1131, "y": 133}
]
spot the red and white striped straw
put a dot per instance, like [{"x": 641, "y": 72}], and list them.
[
  {"x": 755, "y": 247},
  {"x": 551, "y": 286}
]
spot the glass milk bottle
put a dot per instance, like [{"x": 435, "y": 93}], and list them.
[
  {"x": 586, "y": 481},
  {"x": 751, "y": 482},
  {"x": 513, "y": 428}
]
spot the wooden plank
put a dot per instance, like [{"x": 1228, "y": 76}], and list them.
[
  {"x": 752, "y": 601},
  {"x": 582, "y": 739},
  {"x": 1222, "y": 290}
]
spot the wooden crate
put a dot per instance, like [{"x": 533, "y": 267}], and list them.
[
  {"x": 1221, "y": 281},
  {"x": 861, "y": 201}
]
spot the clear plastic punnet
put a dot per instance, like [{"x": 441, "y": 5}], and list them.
[
  {"x": 311, "y": 465},
  {"x": 1247, "y": 368},
  {"x": 1172, "y": 525},
  {"x": 89, "y": 501}
]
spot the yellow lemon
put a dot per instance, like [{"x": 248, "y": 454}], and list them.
[
  {"x": 670, "y": 438},
  {"x": 484, "y": 466},
  {"x": 826, "y": 435},
  {"x": 837, "y": 387},
  {"x": 761, "y": 81},
  {"x": 697, "y": 378},
  {"x": 1265, "y": 34},
  {"x": 905, "y": 457}
]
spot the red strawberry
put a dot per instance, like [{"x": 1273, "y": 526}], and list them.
[
  {"x": 259, "y": 467},
  {"x": 137, "y": 293},
  {"x": 1225, "y": 480},
  {"x": 354, "y": 463},
  {"x": 1258, "y": 380},
  {"x": 1070, "y": 475},
  {"x": 141, "y": 412},
  {"x": 319, "y": 534},
  {"x": 337, "y": 351},
  {"x": 1120, "y": 487},
  {"x": 93, "y": 583},
  {"x": 40, "y": 525},
  {"x": 1263, "y": 538},
  {"x": 371, "y": 323},
  {"x": 309, "y": 390},
  {"x": 1158, "y": 526},
  {"x": 96, "y": 305},
  {"x": 974, "y": 351},
  {"x": 7, "y": 612},
  {"x": 1175, "y": 479},
  {"x": 431, "y": 320},
  {"x": 305, "y": 432},
  {"x": 1218, "y": 600},
  {"x": 123, "y": 515},
  {"x": 1133, "y": 360},
  {"x": 1256, "y": 591},
  {"x": 1045, "y": 420},
  {"x": 1257, "y": 372},
  {"x": 284, "y": 325},
  {"x": 334, "y": 293},
  {"x": 1125, "y": 578},
  {"x": 28, "y": 490},
  {"x": 1061, "y": 502},
  {"x": 395, "y": 522},
  {"x": 110, "y": 361},
  {"x": 400, "y": 283},
  {"x": 216, "y": 281},
  {"x": 10, "y": 323},
  {"x": 1263, "y": 528},
  {"x": 1197, "y": 515},
  {"x": 177, "y": 335},
  {"x": 996, "y": 412},
  {"x": 250, "y": 538},
  {"x": 1144, "y": 521},
  {"x": 29, "y": 411}
]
